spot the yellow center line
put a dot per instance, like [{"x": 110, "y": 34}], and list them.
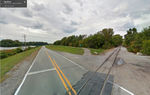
[
  {"x": 65, "y": 78},
  {"x": 60, "y": 76}
]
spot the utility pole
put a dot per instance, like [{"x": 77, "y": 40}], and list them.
[{"x": 24, "y": 41}]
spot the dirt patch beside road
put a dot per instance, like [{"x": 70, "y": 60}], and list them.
[
  {"x": 135, "y": 74},
  {"x": 16, "y": 75},
  {"x": 90, "y": 62},
  {"x": 86, "y": 52}
]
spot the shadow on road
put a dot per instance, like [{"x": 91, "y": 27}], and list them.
[{"x": 93, "y": 87}]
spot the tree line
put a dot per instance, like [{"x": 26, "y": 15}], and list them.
[
  {"x": 138, "y": 41},
  {"x": 16, "y": 43},
  {"x": 133, "y": 40},
  {"x": 102, "y": 39}
]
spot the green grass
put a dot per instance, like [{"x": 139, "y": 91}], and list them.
[
  {"x": 69, "y": 49},
  {"x": 8, "y": 63},
  {"x": 94, "y": 51}
]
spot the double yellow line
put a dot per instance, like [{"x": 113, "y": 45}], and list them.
[{"x": 61, "y": 76}]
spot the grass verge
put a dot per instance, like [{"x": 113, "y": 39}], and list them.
[
  {"x": 96, "y": 51},
  {"x": 69, "y": 49},
  {"x": 8, "y": 63}
]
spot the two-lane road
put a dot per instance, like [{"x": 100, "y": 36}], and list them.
[{"x": 50, "y": 74}]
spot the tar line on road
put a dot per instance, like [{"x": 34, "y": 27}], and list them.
[{"x": 62, "y": 76}]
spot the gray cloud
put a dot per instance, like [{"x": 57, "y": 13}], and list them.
[
  {"x": 69, "y": 29},
  {"x": 38, "y": 26},
  {"x": 27, "y": 13},
  {"x": 74, "y": 23},
  {"x": 80, "y": 2},
  {"x": 50, "y": 20},
  {"x": 3, "y": 22},
  {"x": 67, "y": 9}
]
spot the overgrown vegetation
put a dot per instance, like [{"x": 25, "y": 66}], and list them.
[
  {"x": 7, "y": 53},
  {"x": 8, "y": 63},
  {"x": 15, "y": 43},
  {"x": 138, "y": 41},
  {"x": 73, "y": 50},
  {"x": 103, "y": 39}
]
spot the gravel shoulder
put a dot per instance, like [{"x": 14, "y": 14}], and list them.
[
  {"x": 16, "y": 75},
  {"x": 134, "y": 75}
]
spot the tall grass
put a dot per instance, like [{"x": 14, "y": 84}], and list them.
[{"x": 69, "y": 49}]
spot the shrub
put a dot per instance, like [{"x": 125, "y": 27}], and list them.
[
  {"x": 7, "y": 53},
  {"x": 18, "y": 50},
  {"x": 146, "y": 47},
  {"x": 116, "y": 40},
  {"x": 135, "y": 47},
  {"x": 107, "y": 45},
  {"x": 3, "y": 55}
]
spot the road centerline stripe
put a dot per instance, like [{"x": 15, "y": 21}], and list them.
[
  {"x": 59, "y": 75},
  {"x": 65, "y": 78}
]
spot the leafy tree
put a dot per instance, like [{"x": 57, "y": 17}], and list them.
[
  {"x": 107, "y": 45},
  {"x": 145, "y": 34},
  {"x": 107, "y": 33},
  {"x": 130, "y": 36},
  {"x": 94, "y": 41},
  {"x": 117, "y": 40},
  {"x": 100, "y": 39},
  {"x": 63, "y": 41},
  {"x": 138, "y": 42},
  {"x": 6, "y": 43},
  {"x": 146, "y": 47},
  {"x": 58, "y": 42},
  {"x": 15, "y": 43}
]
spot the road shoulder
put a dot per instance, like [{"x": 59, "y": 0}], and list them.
[{"x": 16, "y": 75}]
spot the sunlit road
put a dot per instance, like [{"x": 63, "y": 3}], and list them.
[{"x": 50, "y": 74}]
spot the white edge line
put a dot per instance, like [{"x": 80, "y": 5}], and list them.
[
  {"x": 126, "y": 90},
  {"x": 71, "y": 61},
  {"x": 121, "y": 87},
  {"x": 41, "y": 71},
  {"x": 75, "y": 63},
  {"x": 87, "y": 70},
  {"x": 16, "y": 92}
]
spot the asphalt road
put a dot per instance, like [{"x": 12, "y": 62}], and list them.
[
  {"x": 42, "y": 78},
  {"x": 53, "y": 74}
]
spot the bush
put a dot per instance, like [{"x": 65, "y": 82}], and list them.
[
  {"x": 135, "y": 47},
  {"x": 129, "y": 49},
  {"x": 107, "y": 45},
  {"x": 116, "y": 40},
  {"x": 7, "y": 53},
  {"x": 146, "y": 47},
  {"x": 3, "y": 55},
  {"x": 18, "y": 50}
]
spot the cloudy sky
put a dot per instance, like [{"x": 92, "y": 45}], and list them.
[{"x": 50, "y": 20}]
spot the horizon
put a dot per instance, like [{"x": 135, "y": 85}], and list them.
[
  {"x": 49, "y": 21},
  {"x": 65, "y": 36}
]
